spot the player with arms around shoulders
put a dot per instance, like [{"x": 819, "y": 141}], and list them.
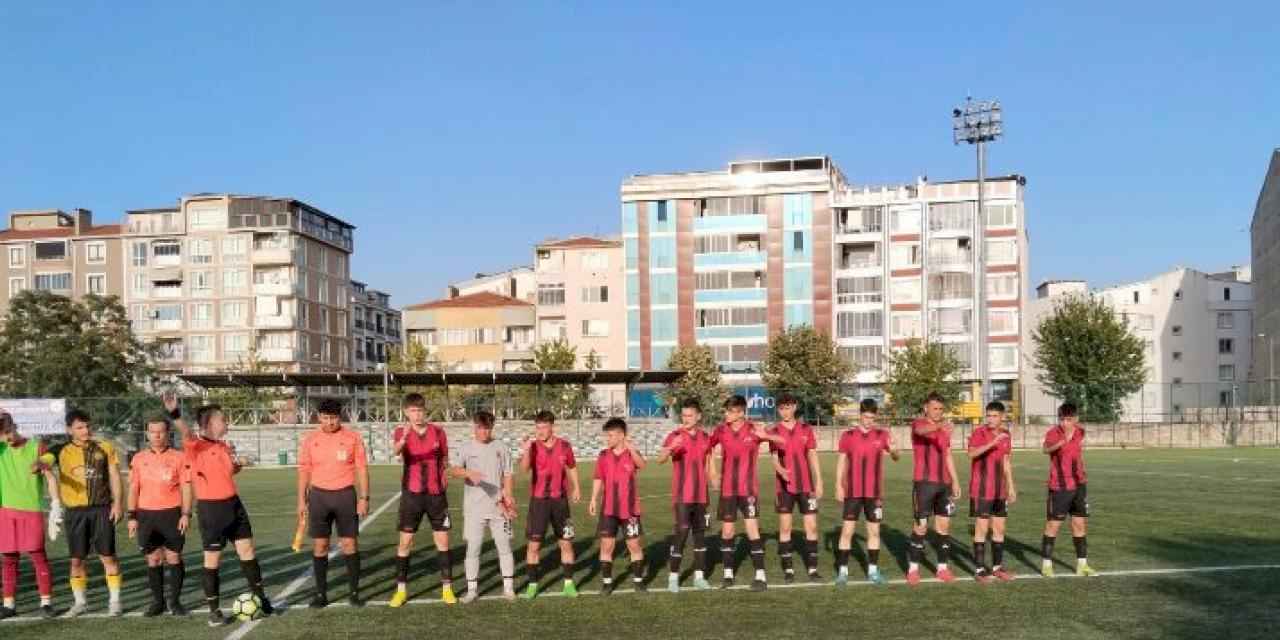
[
  {"x": 739, "y": 442},
  {"x": 935, "y": 487},
  {"x": 24, "y": 467},
  {"x": 160, "y": 506},
  {"x": 991, "y": 491},
  {"x": 615, "y": 482},
  {"x": 1064, "y": 444},
  {"x": 554, "y": 483},
  {"x": 798, "y": 485},
  {"x": 688, "y": 448},
  {"x": 860, "y": 488},
  {"x": 424, "y": 449}
]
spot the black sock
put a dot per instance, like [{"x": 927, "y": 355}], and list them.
[
  {"x": 177, "y": 575},
  {"x": 700, "y": 550},
  {"x": 353, "y": 572},
  {"x": 446, "y": 566},
  {"x": 811, "y": 555},
  {"x": 915, "y": 551},
  {"x": 979, "y": 555},
  {"x": 944, "y": 550},
  {"x": 212, "y": 583},
  {"x": 997, "y": 553},
  {"x": 842, "y": 557},
  {"x": 566, "y": 570},
  {"x": 606, "y": 571},
  {"x": 677, "y": 549},
  {"x": 155, "y": 579},
  {"x": 726, "y": 553},
  {"x": 320, "y": 571},
  {"x": 1046, "y": 547},
  {"x": 253, "y": 575},
  {"x": 1082, "y": 547},
  {"x": 784, "y": 554},
  {"x": 873, "y": 557},
  {"x": 637, "y": 570},
  {"x": 757, "y": 554},
  {"x": 402, "y": 569},
  {"x": 533, "y": 573}
]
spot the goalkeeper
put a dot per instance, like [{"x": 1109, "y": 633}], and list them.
[{"x": 22, "y": 462}]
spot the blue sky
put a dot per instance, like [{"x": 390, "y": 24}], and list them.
[{"x": 456, "y": 134}]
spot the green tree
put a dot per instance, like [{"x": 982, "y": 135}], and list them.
[
  {"x": 806, "y": 363},
  {"x": 701, "y": 381},
  {"x": 53, "y": 346},
  {"x": 413, "y": 357},
  {"x": 1089, "y": 356},
  {"x": 916, "y": 370},
  {"x": 564, "y": 400}
]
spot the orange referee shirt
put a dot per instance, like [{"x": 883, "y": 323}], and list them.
[
  {"x": 332, "y": 459},
  {"x": 209, "y": 468},
  {"x": 156, "y": 478}
]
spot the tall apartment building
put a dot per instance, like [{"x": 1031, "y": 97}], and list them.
[
  {"x": 1264, "y": 237},
  {"x": 221, "y": 275},
  {"x": 61, "y": 252},
  {"x": 1198, "y": 332},
  {"x": 726, "y": 258},
  {"x": 481, "y": 332},
  {"x": 905, "y": 267},
  {"x": 579, "y": 299},
  {"x": 517, "y": 282},
  {"x": 375, "y": 327}
]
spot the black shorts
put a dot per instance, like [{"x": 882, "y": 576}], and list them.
[
  {"x": 90, "y": 530},
  {"x": 691, "y": 516},
  {"x": 609, "y": 526},
  {"x": 980, "y": 508},
  {"x": 159, "y": 528},
  {"x": 931, "y": 499},
  {"x": 413, "y": 506},
  {"x": 732, "y": 506},
  {"x": 549, "y": 511},
  {"x": 327, "y": 510},
  {"x": 223, "y": 521},
  {"x": 807, "y": 503},
  {"x": 870, "y": 508},
  {"x": 1060, "y": 504}
]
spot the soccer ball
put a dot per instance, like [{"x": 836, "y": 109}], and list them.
[{"x": 247, "y": 607}]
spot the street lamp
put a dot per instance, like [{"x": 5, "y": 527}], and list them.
[
  {"x": 977, "y": 123},
  {"x": 1271, "y": 369}
]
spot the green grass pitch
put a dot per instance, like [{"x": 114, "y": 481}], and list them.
[{"x": 1187, "y": 541}]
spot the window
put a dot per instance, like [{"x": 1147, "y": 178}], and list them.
[
  {"x": 139, "y": 286},
  {"x": 1003, "y": 358},
  {"x": 551, "y": 294},
  {"x": 951, "y": 322},
  {"x": 322, "y": 291},
  {"x": 138, "y": 254},
  {"x": 16, "y": 285},
  {"x": 864, "y": 357},
  {"x": 1176, "y": 330},
  {"x": 662, "y": 210},
  {"x": 1140, "y": 321},
  {"x": 201, "y": 250},
  {"x": 1177, "y": 356},
  {"x": 797, "y": 240},
  {"x": 1177, "y": 380},
  {"x": 1225, "y": 345},
  {"x": 1001, "y": 252},
  {"x": 1226, "y": 372},
  {"x": 201, "y": 283},
  {"x": 166, "y": 249},
  {"x": 906, "y": 325},
  {"x": 553, "y": 330},
  {"x": 1002, "y": 321},
  {"x": 17, "y": 256},
  {"x": 595, "y": 261},
  {"x": 202, "y": 315},
  {"x": 951, "y": 216},
  {"x": 201, "y": 348},
  {"x": 595, "y": 294},
  {"x": 1002, "y": 286},
  {"x": 1226, "y": 320},
  {"x": 949, "y": 286},
  {"x": 53, "y": 281},
  {"x": 1002, "y": 215},
  {"x": 95, "y": 252},
  {"x": 595, "y": 328},
  {"x": 51, "y": 250},
  {"x": 859, "y": 290},
  {"x": 864, "y": 220},
  {"x": 859, "y": 324},
  {"x": 206, "y": 217},
  {"x": 234, "y": 281},
  {"x": 235, "y": 314},
  {"x": 1226, "y": 294},
  {"x": 96, "y": 284},
  {"x": 738, "y": 205},
  {"x": 1177, "y": 295},
  {"x": 1135, "y": 297},
  {"x": 906, "y": 291},
  {"x": 903, "y": 255},
  {"x": 736, "y": 316},
  {"x": 905, "y": 221},
  {"x": 234, "y": 248},
  {"x": 235, "y": 346}
]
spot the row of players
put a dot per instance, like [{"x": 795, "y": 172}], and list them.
[{"x": 333, "y": 494}]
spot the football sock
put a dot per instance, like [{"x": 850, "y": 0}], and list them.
[
  {"x": 212, "y": 583},
  {"x": 944, "y": 552},
  {"x": 177, "y": 575},
  {"x": 320, "y": 570},
  {"x": 353, "y": 572},
  {"x": 677, "y": 549},
  {"x": 78, "y": 586},
  {"x": 44, "y": 577},
  {"x": 757, "y": 554},
  {"x": 915, "y": 551},
  {"x": 980, "y": 555},
  {"x": 534, "y": 573},
  {"x": 873, "y": 557},
  {"x": 699, "y": 552},
  {"x": 784, "y": 554},
  {"x": 637, "y": 570},
  {"x": 113, "y": 587},
  {"x": 566, "y": 570},
  {"x": 1046, "y": 549},
  {"x": 726, "y": 555},
  {"x": 997, "y": 553},
  {"x": 606, "y": 571},
  {"x": 508, "y": 583},
  {"x": 155, "y": 580},
  {"x": 842, "y": 559},
  {"x": 10, "y": 579},
  {"x": 811, "y": 555},
  {"x": 446, "y": 565},
  {"x": 473, "y": 586},
  {"x": 402, "y": 572},
  {"x": 253, "y": 575},
  {"x": 1082, "y": 548}
]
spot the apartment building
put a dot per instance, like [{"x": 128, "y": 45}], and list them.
[
  {"x": 517, "y": 282},
  {"x": 579, "y": 298},
  {"x": 219, "y": 277},
  {"x": 61, "y": 252},
  {"x": 481, "y": 332},
  {"x": 726, "y": 258},
  {"x": 1198, "y": 333},
  {"x": 375, "y": 327},
  {"x": 1264, "y": 238},
  {"x": 906, "y": 266}
]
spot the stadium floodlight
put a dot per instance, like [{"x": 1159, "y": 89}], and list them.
[{"x": 977, "y": 123}]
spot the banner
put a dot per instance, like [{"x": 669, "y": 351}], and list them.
[{"x": 37, "y": 416}]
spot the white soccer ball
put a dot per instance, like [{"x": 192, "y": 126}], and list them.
[{"x": 247, "y": 607}]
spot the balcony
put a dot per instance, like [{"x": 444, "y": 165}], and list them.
[
  {"x": 859, "y": 255},
  {"x": 167, "y": 274},
  {"x": 275, "y": 322},
  {"x": 951, "y": 260},
  {"x": 277, "y": 354},
  {"x": 166, "y": 260},
  {"x": 731, "y": 331},
  {"x": 729, "y": 295},
  {"x": 730, "y": 259},
  {"x": 170, "y": 324},
  {"x": 272, "y": 255},
  {"x": 166, "y": 292},
  {"x": 273, "y": 288}
]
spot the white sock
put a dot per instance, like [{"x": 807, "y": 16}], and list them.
[
  {"x": 568, "y": 580},
  {"x": 508, "y": 584},
  {"x": 942, "y": 566},
  {"x": 1046, "y": 562},
  {"x": 760, "y": 575},
  {"x": 607, "y": 581},
  {"x": 473, "y": 585},
  {"x": 844, "y": 570},
  {"x": 79, "y": 597},
  {"x": 10, "y": 603},
  {"x": 911, "y": 566},
  {"x": 728, "y": 573},
  {"x": 400, "y": 586},
  {"x": 697, "y": 575},
  {"x": 46, "y": 601},
  {"x": 1080, "y": 562}
]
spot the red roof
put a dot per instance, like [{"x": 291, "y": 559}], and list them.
[
  {"x": 580, "y": 242},
  {"x": 61, "y": 232},
  {"x": 471, "y": 301}
]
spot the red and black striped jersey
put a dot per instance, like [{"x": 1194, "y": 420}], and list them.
[
  {"x": 927, "y": 453},
  {"x": 986, "y": 472},
  {"x": 426, "y": 459},
  {"x": 864, "y": 462},
  {"x": 739, "y": 450},
  {"x": 1066, "y": 465},
  {"x": 793, "y": 455},
  {"x": 689, "y": 452},
  {"x": 617, "y": 472},
  {"x": 548, "y": 466}
]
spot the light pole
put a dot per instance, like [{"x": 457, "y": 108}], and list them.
[
  {"x": 1271, "y": 370},
  {"x": 977, "y": 123}
]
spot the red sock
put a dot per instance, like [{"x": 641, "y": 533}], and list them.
[
  {"x": 44, "y": 579},
  {"x": 10, "y": 575}
]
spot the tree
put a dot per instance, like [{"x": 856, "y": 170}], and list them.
[
  {"x": 1087, "y": 355},
  {"x": 564, "y": 400},
  {"x": 916, "y": 370},
  {"x": 53, "y": 346},
  {"x": 413, "y": 357},
  {"x": 701, "y": 381},
  {"x": 806, "y": 363}
]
